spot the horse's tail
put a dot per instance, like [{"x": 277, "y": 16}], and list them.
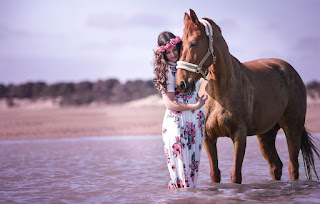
[{"x": 307, "y": 149}]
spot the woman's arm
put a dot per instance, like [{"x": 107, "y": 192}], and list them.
[{"x": 179, "y": 106}]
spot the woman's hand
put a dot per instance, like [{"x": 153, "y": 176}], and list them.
[
  {"x": 202, "y": 100},
  {"x": 171, "y": 104}
]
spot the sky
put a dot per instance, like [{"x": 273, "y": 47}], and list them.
[{"x": 77, "y": 40}]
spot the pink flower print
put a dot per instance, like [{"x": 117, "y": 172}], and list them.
[
  {"x": 179, "y": 183},
  {"x": 189, "y": 133},
  {"x": 200, "y": 116},
  {"x": 167, "y": 154},
  {"x": 197, "y": 98},
  {"x": 200, "y": 119},
  {"x": 183, "y": 134},
  {"x": 183, "y": 145},
  {"x": 164, "y": 130},
  {"x": 173, "y": 70},
  {"x": 187, "y": 128},
  {"x": 192, "y": 174},
  {"x": 193, "y": 130},
  {"x": 193, "y": 157},
  {"x": 186, "y": 181},
  {"x": 179, "y": 113},
  {"x": 176, "y": 149},
  {"x": 173, "y": 167},
  {"x": 170, "y": 185},
  {"x": 189, "y": 145},
  {"x": 194, "y": 165},
  {"x": 178, "y": 139},
  {"x": 176, "y": 120},
  {"x": 176, "y": 115},
  {"x": 186, "y": 97}
]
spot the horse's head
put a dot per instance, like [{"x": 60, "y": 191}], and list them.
[{"x": 196, "y": 52}]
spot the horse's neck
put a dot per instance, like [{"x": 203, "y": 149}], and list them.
[{"x": 222, "y": 76}]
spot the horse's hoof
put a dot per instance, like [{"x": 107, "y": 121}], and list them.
[
  {"x": 236, "y": 179},
  {"x": 216, "y": 177}
]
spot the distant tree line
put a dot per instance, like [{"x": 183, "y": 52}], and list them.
[
  {"x": 313, "y": 89},
  {"x": 107, "y": 91}
]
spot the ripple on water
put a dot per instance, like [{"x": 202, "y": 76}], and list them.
[{"x": 133, "y": 170}]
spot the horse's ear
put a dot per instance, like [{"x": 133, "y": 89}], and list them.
[
  {"x": 194, "y": 17},
  {"x": 186, "y": 18}
]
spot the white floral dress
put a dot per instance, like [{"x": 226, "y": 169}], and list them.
[{"x": 182, "y": 133}]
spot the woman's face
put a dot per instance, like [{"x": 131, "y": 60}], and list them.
[{"x": 172, "y": 54}]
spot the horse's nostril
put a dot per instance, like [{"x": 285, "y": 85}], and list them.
[
  {"x": 182, "y": 85},
  {"x": 193, "y": 85}
]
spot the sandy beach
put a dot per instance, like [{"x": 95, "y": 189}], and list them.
[{"x": 45, "y": 119}]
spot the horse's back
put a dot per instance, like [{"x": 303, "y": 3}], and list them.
[
  {"x": 276, "y": 85},
  {"x": 273, "y": 68},
  {"x": 265, "y": 69},
  {"x": 297, "y": 97},
  {"x": 276, "y": 66}
]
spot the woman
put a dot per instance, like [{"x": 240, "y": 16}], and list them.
[{"x": 183, "y": 123}]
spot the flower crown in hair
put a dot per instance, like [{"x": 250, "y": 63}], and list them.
[{"x": 171, "y": 44}]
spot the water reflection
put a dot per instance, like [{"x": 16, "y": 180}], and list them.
[{"x": 132, "y": 170}]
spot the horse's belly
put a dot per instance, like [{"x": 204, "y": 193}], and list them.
[{"x": 268, "y": 108}]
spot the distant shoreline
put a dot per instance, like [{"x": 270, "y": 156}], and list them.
[{"x": 44, "y": 120}]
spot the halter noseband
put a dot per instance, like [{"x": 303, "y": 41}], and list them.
[{"x": 198, "y": 68}]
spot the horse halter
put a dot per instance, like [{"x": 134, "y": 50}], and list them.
[{"x": 198, "y": 68}]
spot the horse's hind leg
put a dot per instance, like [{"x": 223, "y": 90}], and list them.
[
  {"x": 269, "y": 152},
  {"x": 293, "y": 131}
]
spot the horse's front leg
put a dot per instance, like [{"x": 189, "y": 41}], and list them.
[
  {"x": 210, "y": 144},
  {"x": 239, "y": 140}
]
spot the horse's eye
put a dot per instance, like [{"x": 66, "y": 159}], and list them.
[{"x": 193, "y": 44}]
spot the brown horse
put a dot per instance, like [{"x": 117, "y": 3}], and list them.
[{"x": 253, "y": 98}]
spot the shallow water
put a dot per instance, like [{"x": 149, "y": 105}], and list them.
[{"x": 133, "y": 170}]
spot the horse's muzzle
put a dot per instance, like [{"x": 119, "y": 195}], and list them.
[{"x": 187, "y": 87}]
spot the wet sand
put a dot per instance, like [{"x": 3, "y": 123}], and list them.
[
  {"x": 135, "y": 118},
  {"x": 19, "y": 123}
]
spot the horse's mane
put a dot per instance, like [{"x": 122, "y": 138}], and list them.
[
  {"x": 190, "y": 25},
  {"x": 213, "y": 24}
]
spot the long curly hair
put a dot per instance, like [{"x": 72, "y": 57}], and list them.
[{"x": 161, "y": 61}]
